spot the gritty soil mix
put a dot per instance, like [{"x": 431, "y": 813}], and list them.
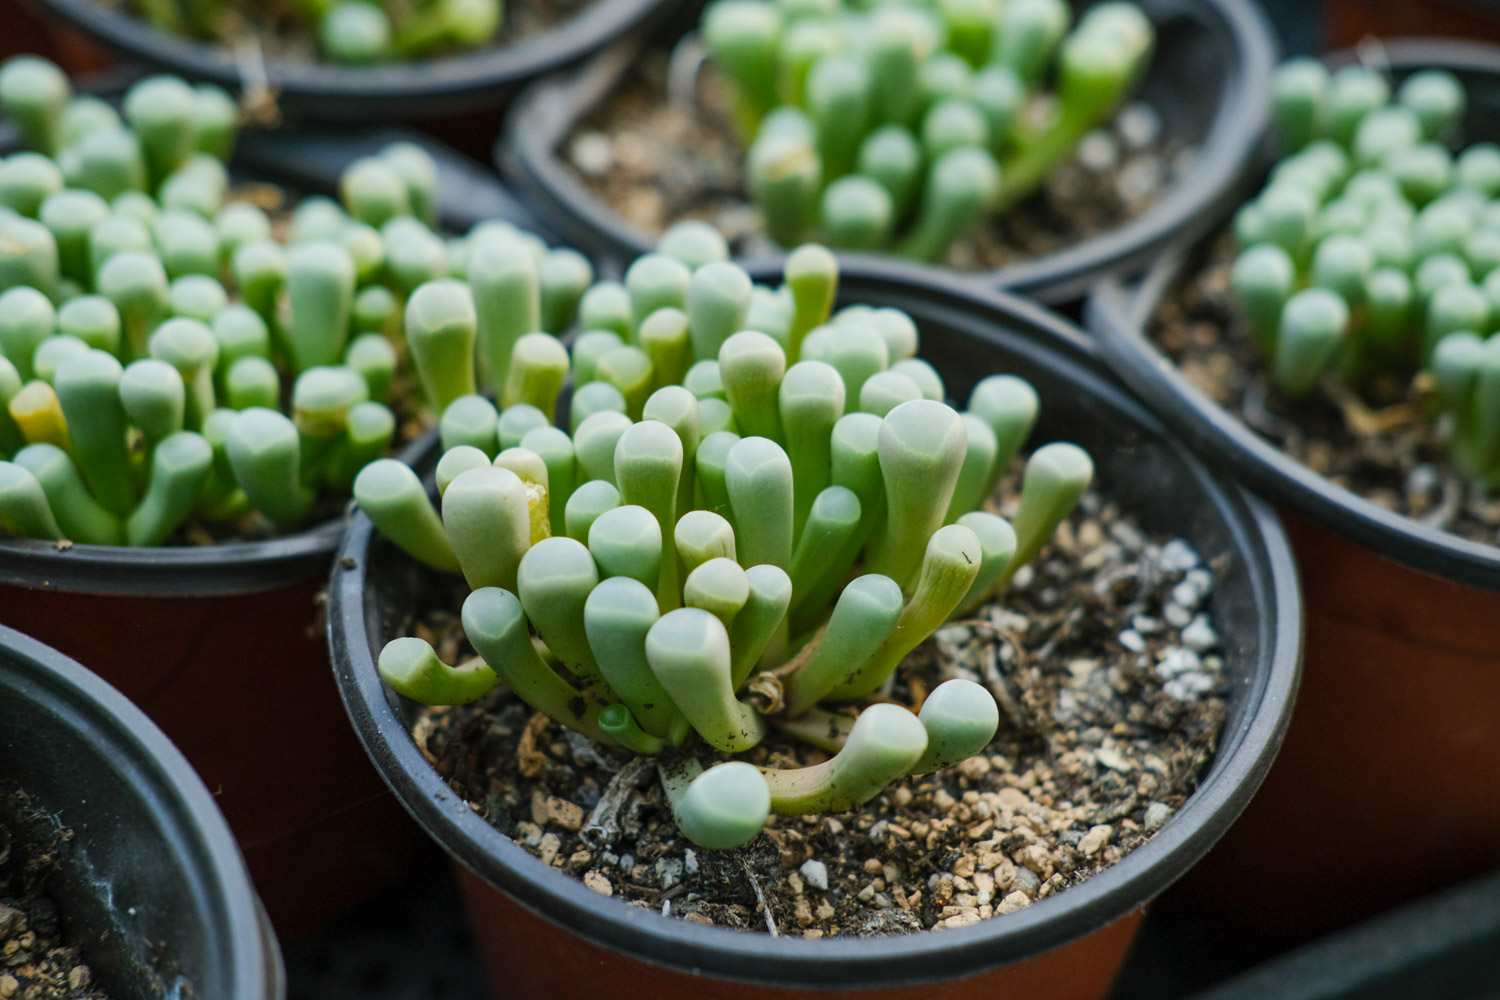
[
  {"x": 656, "y": 159},
  {"x": 1105, "y": 664},
  {"x": 1378, "y": 441},
  {"x": 35, "y": 960},
  {"x": 281, "y": 32}
]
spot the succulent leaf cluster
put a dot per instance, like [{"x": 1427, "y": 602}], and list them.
[
  {"x": 1374, "y": 248},
  {"x": 355, "y": 32},
  {"x": 760, "y": 506},
  {"x": 169, "y": 351},
  {"x": 899, "y": 126}
]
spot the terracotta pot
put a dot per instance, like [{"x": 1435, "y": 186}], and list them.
[
  {"x": 149, "y": 882},
  {"x": 1209, "y": 79},
  {"x": 28, "y": 30},
  {"x": 1349, "y": 22},
  {"x": 223, "y": 647},
  {"x": 1385, "y": 786},
  {"x": 544, "y": 933}
]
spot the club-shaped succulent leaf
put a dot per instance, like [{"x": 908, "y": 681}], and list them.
[
  {"x": 723, "y": 807},
  {"x": 24, "y": 511},
  {"x": 656, "y": 589},
  {"x": 884, "y": 744},
  {"x": 689, "y": 653}
]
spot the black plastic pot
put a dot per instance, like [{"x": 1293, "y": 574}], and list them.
[
  {"x": 222, "y": 645},
  {"x": 150, "y": 883},
  {"x": 1210, "y": 81},
  {"x": 1440, "y": 946},
  {"x": 1402, "y": 679},
  {"x": 1068, "y": 945},
  {"x": 330, "y": 92}
]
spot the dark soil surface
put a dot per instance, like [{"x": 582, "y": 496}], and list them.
[
  {"x": 656, "y": 161},
  {"x": 35, "y": 961},
  {"x": 281, "y": 30},
  {"x": 1108, "y": 679},
  {"x": 1379, "y": 443}
]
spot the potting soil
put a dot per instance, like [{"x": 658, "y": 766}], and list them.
[
  {"x": 656, "y": 161},
  {"x": 1379, "y": 441},
  {"x": 1103, "y": 659},
  {"x": 35, "y": 960}
]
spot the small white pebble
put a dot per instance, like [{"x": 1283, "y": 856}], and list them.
[
  {"x": 1097, "y": 152},
  {"x": 1176, "y": 615},
  {"x": 1157, "y": 814},
  {"x": 627, "y": 862},
  {"x": 1127, "y": 536},
  {"x": 1197, "y": 682},
  {"x": 1131, "y": 640},
  {"x": 1422, "y": 480},
  {"x": 1177, "y": 556},
  {"x": 592, "y": 154},
  {"x": 1188, "y": 686},
  {"x": 669, "y": 872},
  {"x": 1199, "y": 635},
  {"x": 1023, "y": 578},
  {"x": 1186, "y": 595},
  {"x": 1145, "y": 624},
  {"x": 1176, "y": 660},
  {"x": 690, "y": 862},
  {"x": 1138, "y": 125},
  {"x": 815, "y": 874},
  {"x": 1202, "y": 579},
  {"x": 1113, "y": 760}
]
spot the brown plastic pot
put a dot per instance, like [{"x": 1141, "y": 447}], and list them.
[
  {"x": 1349, "y": 22},
  {"x": 222, "y": 646},
  {"x": 543, "y": 933},
  {"x": 1385, "y": 787}
]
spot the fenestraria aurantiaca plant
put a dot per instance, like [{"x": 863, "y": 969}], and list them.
[
  {"x": 356, "y": 32},
  {"x": 900, "y": 126},
  {"x": 1374, "y": 251},
  {"x": 166, "y": 350},
  {"x": 759, "y": 511}
]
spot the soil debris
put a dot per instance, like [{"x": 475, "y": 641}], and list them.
[
  {"x": 1102, "y": 740},
  {"x": 656, "y": 161},
  {"x": 1378, "y": 440}
]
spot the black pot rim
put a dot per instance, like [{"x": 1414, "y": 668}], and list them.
[
  {"x": 424, "y": 88},
  {"x": 91, "y": 705},
  {"x": 540, "y": 121},
  {"x": 1118, "y": 315},
  {"x": 1244, "y": 756}
]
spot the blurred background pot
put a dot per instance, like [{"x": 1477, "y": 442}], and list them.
[
  {"x": 222, "y": 646},
  {"x": 147, "y": 879},
  {"x": 1385, "y": 785},
  {"x": 1348, "y": 22},
  {"x": 1208, "y": 81},
  {"x": 420, "y": 89},
  {"x": 1442, "y": 945},
  {"x": 543, "y": 933}
]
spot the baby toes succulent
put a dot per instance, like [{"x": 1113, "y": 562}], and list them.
[{"x": 751, "y": 549}]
